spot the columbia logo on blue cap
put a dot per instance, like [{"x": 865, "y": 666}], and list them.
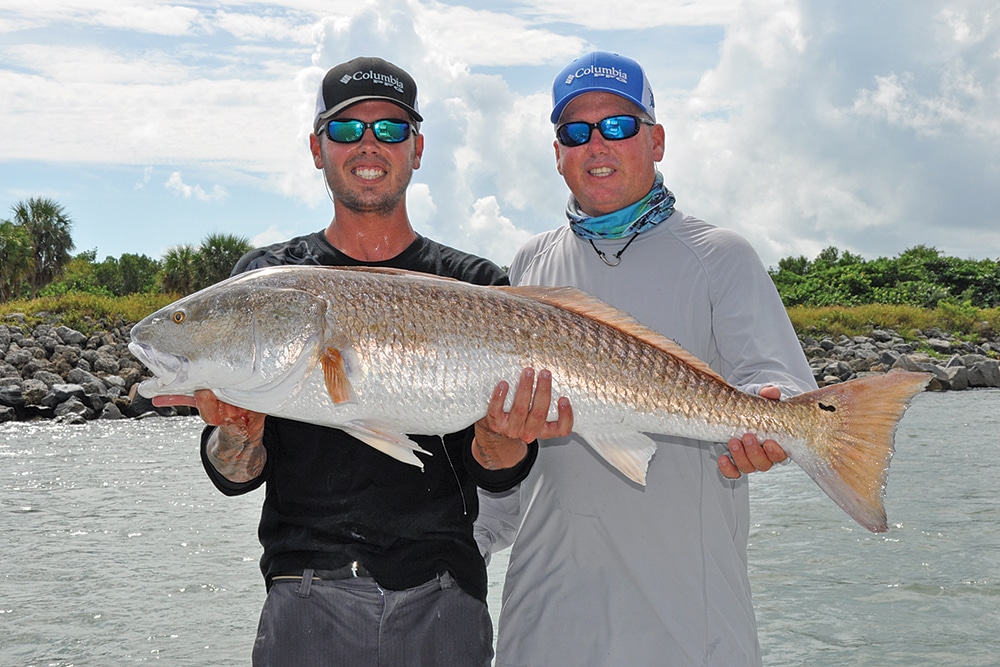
[
  {"x": 612, "y": 73},
  {"x": 602, "y": 71}
]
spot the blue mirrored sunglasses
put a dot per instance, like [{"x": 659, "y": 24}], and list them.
[
  {"x": 350, "y": 131},
  {"x": 612, "y": 128}
]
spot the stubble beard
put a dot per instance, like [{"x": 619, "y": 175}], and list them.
[
  {"x": 369, "y": 203},
  {"x": 382, "y": 204}
]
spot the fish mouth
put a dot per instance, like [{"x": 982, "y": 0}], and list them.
[{"x": 167, "y": 369}]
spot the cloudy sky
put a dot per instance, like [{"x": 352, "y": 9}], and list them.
[{"x": 872, "y": 126}]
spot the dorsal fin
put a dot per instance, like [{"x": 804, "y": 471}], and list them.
[{"x": 577, "y": 301}]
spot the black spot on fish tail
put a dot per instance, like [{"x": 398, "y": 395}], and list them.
[{"x": 828, "y": 408}]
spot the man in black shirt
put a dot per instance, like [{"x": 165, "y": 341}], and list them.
[{"x": 367, "y": 560}]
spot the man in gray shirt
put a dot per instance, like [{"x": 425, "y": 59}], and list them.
[{"x": 603, "y": 571}]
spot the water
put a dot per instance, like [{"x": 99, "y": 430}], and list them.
[
  {"x": 118, "y": 550},
  {"x": 827, "y": 592}
]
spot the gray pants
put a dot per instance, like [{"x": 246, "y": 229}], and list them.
[{"x": 356, "y": 623}]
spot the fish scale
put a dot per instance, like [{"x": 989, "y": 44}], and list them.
[{"x": 382, "y": 353}]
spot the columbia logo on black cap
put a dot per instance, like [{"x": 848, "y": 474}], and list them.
[{"x": 374, "y": 77}]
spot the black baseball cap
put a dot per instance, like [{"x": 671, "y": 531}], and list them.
[{"x": 361, "y": 79}]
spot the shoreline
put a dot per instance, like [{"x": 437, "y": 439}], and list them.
[{"x": 51, "y": 371}]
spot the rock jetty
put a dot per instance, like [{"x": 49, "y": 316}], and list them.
[
  {"x": 55, "y": 372},
  {"x": 955, "y": 364},
  {"x": 51, "y": 371}
]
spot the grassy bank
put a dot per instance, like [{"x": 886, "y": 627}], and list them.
[
  {"x": 964, "y": 321},
  {"x": 88, "y": 312}
]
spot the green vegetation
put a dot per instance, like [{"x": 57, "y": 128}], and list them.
[
  {"x": 920, "y": 276},
  {"x": 48, "y": 228},
  {"x": 844, "y": 294},
  {"x": 35, "y": 260},
  {"x": 15, "y": 257},
  {"x": 87, "y": 313},
  {"x": 965, "y": 321},
  {"x": 179, "y": 269}
]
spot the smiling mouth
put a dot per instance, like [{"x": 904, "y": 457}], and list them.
[
  {"x": 368, "y": 173},
  {"x": 601, "y": 172}
]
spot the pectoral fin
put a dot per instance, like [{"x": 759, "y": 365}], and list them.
[
  {"x": 338, "y": 385},
  {"x": 387, "y": 440},
  {"x": 628, "y": 451}
]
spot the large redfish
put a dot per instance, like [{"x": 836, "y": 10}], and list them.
[{"x": 381, "y": 354}]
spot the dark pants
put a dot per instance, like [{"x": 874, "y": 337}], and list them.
[{"x": 356, "y": 623}]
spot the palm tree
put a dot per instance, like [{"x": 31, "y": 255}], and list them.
[
  {"x": 49, "y": 227},
  {"x": 217, "y": 256},
  {"x": 179, "y": 269},
  {"x": 16, "y": 257}
]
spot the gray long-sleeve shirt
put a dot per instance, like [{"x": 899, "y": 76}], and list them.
[{"x": 603, "y": 572}]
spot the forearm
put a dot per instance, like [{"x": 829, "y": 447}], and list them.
[
  {"x": 237, "y": 455},
  {"x": 494, "y": 451},
  {"x": 501, "y": 478},
  {"x": 498, "y": 521}
]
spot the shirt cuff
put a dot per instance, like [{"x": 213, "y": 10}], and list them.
[{"x": 226, "y": 486}]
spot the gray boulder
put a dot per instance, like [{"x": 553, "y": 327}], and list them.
[
  {"x": 34, "y": 391},
  {"x": 48, "y": 378},
  {"x": 7, "y": 414},
  {"x": 12, "y": 394},
  {"x": 984, "y": 373},
  {"x": 18, "y": 357},
  {"x": 61, "y": 393},
  {"x": 956, "y": 378},
  {"x": 70, "y": 418},
  {"x": 111, "y": 411},
  {"x": 72, "y": 406},
  {"x": 83, "y": 377},
  {"x": 70, "y": 336}
]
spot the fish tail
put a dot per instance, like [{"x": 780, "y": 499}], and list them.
[{"x": 849, "y": 457}]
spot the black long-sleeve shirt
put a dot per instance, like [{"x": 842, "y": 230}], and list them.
[{"x": 331, "y": 499}]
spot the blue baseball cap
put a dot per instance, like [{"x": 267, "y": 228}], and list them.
[{"x": 602, "y": 71}]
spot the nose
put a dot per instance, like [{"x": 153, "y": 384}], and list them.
[
  {"x": 368, "y": 140},
  {"x": 597, "y": 143}
]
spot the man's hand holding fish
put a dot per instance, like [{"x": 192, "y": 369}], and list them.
[
  {"x": 502, "y": 437},
  {"x": 748, "y": 454}
]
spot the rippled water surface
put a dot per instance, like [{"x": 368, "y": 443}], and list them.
[
  {"x": 118, "y": 550},
  {"x": 827, "y": 592}
]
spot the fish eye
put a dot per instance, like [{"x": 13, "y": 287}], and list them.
[{"x": 179, "y": 316}]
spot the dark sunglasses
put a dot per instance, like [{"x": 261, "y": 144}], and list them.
[
  {"x": 350, "y": 131},
  {"x": 612, "y": 128}
]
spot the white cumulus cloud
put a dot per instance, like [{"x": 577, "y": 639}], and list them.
[{"x": 177, "y": 185}]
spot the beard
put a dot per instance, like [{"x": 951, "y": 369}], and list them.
[
  {"x": 382, "y": 203},
  {"x": 376, "y": 202}
]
